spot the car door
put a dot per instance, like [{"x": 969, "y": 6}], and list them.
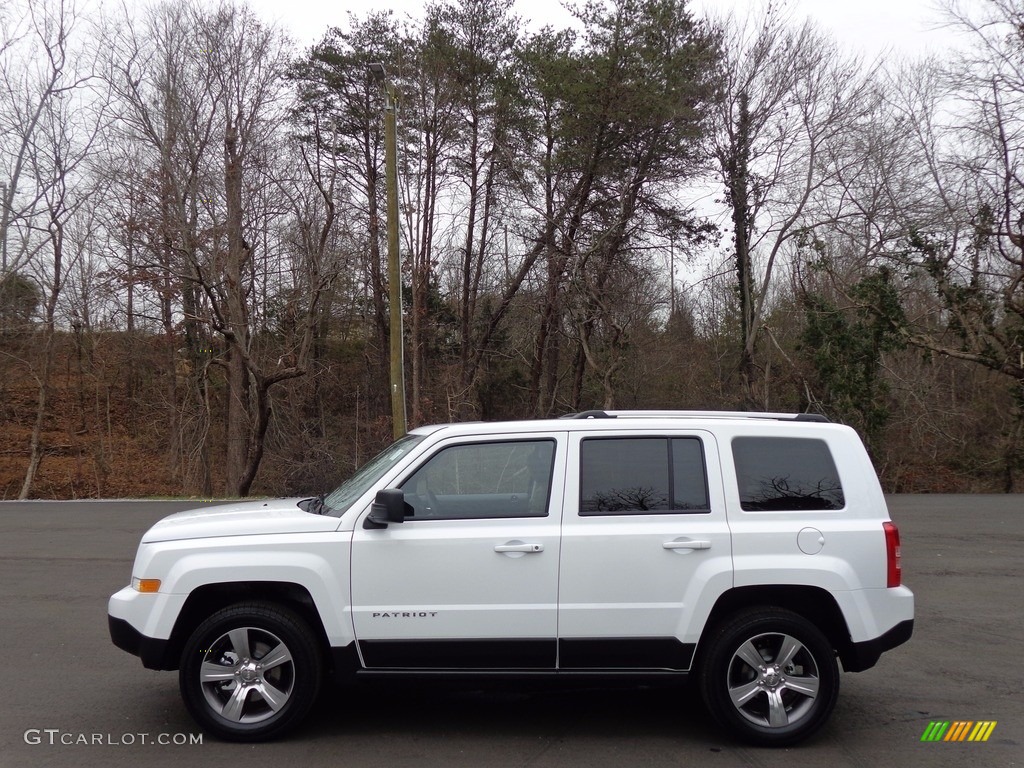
[
  {"x": 469, "y": 579},
  {"x": 645, "y": 548}
]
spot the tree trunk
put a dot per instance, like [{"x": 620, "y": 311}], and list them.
[
  {"x": 35, "y": 451},
  {"x": 739, "y": 199},
  {"x": 467, "y": 309},
  {"x": 237, "y": 321},
  {"x": 42, "y": 399},
  {"x": 381, "y": 320},
  {"x": 421, "y": 274}
]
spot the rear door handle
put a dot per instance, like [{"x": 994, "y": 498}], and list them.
[
  {"x": 688, "y": 544},
  {"x": 519, "y": 546}
]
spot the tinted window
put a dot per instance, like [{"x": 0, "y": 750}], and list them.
[
  {"x": 786, "y": 473},
  {"x": 689, "y": 481},
  {"x": 480, "y": 480},
  {"x": 641, "y": 474}
]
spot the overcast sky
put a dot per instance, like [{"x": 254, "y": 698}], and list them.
[{"x": 870, "y": 27}]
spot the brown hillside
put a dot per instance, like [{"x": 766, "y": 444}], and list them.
[{"x": 99, "y": 442}]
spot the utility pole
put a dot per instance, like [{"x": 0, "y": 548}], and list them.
[{"x": 394, "y": 273}]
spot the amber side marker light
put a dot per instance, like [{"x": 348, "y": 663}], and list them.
[{"x": 146, "y": 585}]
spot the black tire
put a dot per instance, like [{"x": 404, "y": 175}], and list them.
[
  {"x": 780, "y": 701},
  {"x": 227, "y": 689}
]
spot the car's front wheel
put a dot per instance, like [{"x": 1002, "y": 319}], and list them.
[
  {"x": 769, "y": 676},
  {"x": 250, "y": 671}
]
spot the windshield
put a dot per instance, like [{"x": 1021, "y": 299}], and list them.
[{"x": 342, "y": 497}]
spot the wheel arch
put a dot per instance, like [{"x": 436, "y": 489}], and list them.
[
  {"x": 812, "y": 603},
  {"x": 205, "y": 600}
]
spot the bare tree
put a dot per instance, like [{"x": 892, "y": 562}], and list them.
[
  {"x": 336, "y": 95},
  {"x": 967, "y": 248},
  {"x": 793, "y": 102},
  {"x": 34, "y": 73},
  {"x": 58, "y": 123},
  {"x": 205, "y": 91}
]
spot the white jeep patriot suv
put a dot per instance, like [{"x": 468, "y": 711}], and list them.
[{"x": 749, "y": 550}]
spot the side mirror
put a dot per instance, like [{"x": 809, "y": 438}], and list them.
[{"x": 388, "y": 507}]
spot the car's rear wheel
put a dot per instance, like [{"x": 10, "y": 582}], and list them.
[
  {"x": 769, "y": 676},
  {"x": 250, "y": 671}
]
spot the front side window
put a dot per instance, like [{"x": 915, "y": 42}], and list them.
[
  {"x": 786, "y": 474},
  {"x": 483, "y": 480},
  {"x": 639, "y": 475}
]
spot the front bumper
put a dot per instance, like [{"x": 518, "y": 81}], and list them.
[
  {"x": 142, "y": 624},
  {"x": 153, "y": 652}
]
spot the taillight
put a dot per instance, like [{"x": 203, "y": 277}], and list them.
[{"x": 894, "y": 575}]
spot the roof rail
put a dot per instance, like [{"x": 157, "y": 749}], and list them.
[
  {"x": 808, "y": 417},
  {"x": 815, "y": 417},
  {"x": 588, "y": 415}
]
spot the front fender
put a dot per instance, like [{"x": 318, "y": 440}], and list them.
[{"x": 319, "y": 563}]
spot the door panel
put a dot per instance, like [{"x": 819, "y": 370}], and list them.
[
  {"x": 469, "y": 581},
  {"x": 638, "y": 551}
]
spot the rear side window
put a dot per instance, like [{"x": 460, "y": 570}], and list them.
[
  {"x": 642, "y": 475},
  {"x": 786, "y": 473}
]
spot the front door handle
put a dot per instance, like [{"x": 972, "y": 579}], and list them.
[
  {"x": 519, "y": 546},
  {"x": 687, "y": 544}
]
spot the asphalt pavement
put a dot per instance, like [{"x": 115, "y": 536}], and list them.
[{"x": 70, "y": 698}]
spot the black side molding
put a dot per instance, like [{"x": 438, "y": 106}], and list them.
[
  {"x": 459, "y": 654},
  {"x": 632, "y": 653}
]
